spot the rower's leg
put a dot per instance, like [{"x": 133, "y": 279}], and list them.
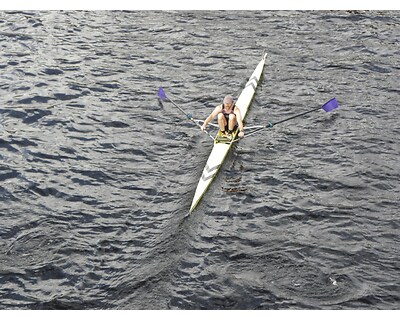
[
  {"x": 221, "y": 122},
  {"x": 232, "y": 122}
]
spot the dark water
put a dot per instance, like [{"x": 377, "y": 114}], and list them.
[{"x": 96, "y": 178}]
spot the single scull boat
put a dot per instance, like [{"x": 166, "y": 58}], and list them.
[{"x": 222, "y": 146}]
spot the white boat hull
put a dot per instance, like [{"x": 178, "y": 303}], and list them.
[{"x": 221, "y": 147}]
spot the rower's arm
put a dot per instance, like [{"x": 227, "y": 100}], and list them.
[
  {"x": 212, "y": 115},
  {"x": 239, "y": 119}
]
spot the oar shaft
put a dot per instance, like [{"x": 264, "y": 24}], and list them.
[
  {"x": 190, "y": 117},
  {"x": 328, "y": 106},
  {"x": 296, "y": 116}
]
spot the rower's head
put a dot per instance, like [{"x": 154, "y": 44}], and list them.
[{"x": 228, "y": 101}]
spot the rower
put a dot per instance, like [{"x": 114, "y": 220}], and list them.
[{"x": 229, "y": 118}]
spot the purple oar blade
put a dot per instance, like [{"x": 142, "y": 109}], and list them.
[
  {"x": 330, "y": 105},
  {"x": 161, "y": 94}
]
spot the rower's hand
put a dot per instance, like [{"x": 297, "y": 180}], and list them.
[
  {"x": 203, "y": 127},
  {"x": 241, "y": 134}
]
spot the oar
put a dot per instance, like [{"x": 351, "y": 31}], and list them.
[
  {"x": 162, "y": 96},
  {"x": 328, "y": 106}
]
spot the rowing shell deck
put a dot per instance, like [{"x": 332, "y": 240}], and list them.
[{"x": 222, "y": 146}]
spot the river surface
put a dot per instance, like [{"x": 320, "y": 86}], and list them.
[{"x": 96, "y": 177}]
